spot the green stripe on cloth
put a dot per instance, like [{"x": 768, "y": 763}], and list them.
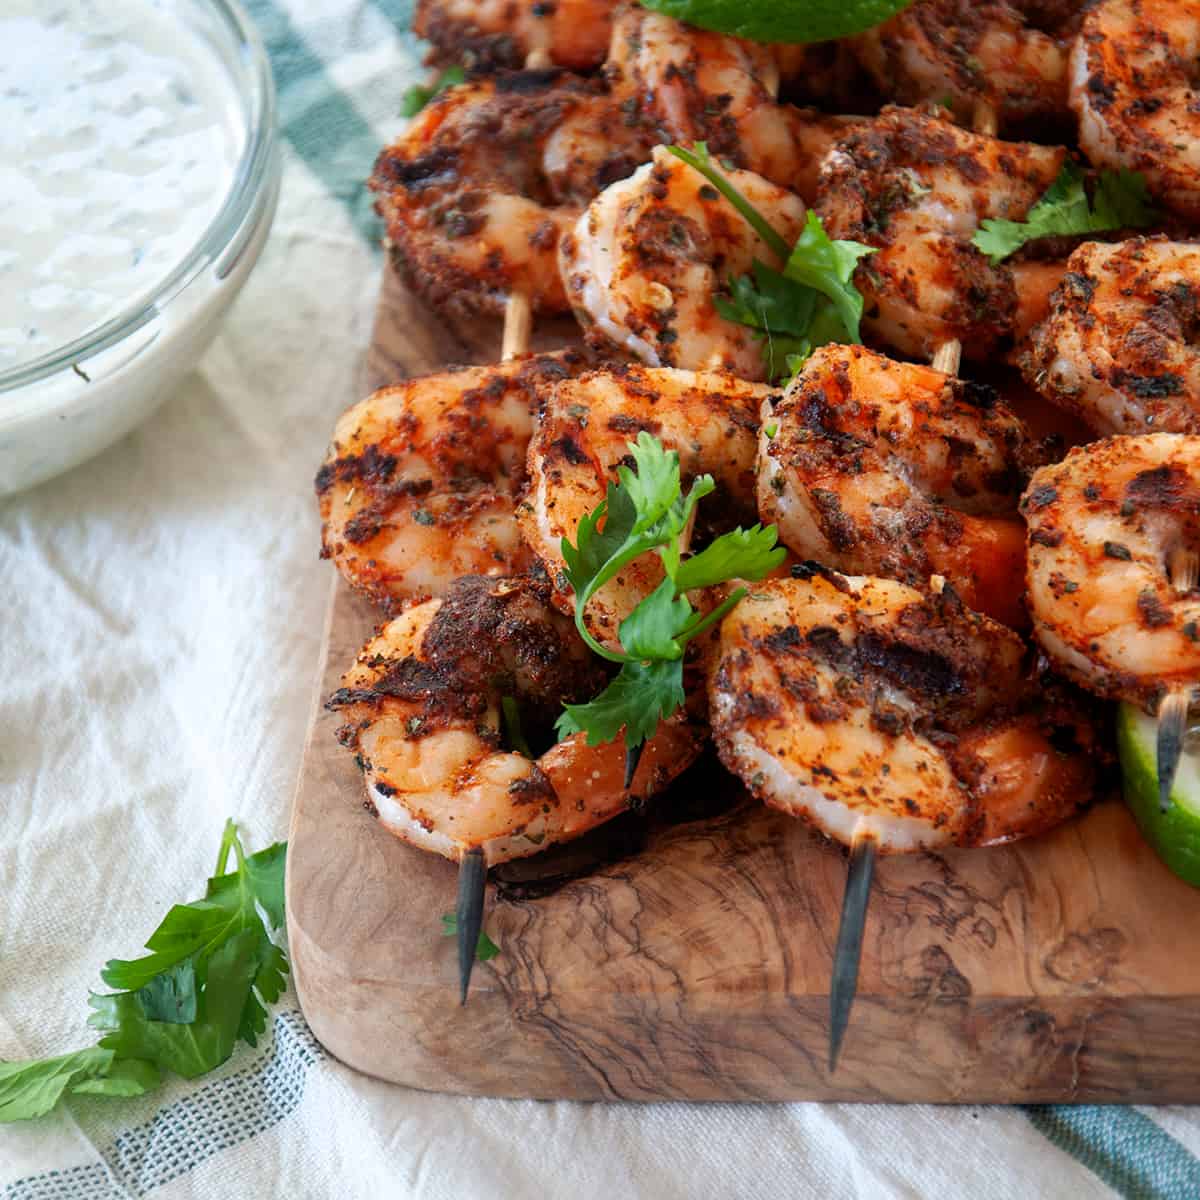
[
  {"x": 399, "y": 12},
  {"x": 320, "y": 121},
  {"x": 1124, "y": 1148}
]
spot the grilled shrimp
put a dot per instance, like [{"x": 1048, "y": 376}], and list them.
[
  {"x": 894, "y": 469},
  {"x": 486, "y": 34},
  {"x": 992, "y": 54},
  {"x": 1105, "y": 527},
  {"x": 423, "y": 705},
  {"x": 419, "y": 482},
  {"x": 649, "y": 253},
  {"x": 691, "y": 85},
  {"x": 1133, "y": 84},
  {"x": 1119, "y": 346},
  {"x": 871, "y": 709},
  {"x": 587, "y": 424},
  {"x": 478, "y": 189},
  {"x": 917, "y": 187}
]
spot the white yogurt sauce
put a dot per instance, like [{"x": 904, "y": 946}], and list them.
[{"x": 118, "y": 141}]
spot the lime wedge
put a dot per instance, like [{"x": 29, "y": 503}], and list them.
[
  {"x": 1174, "y": 834},
  {"x": 770, "y": 21}
]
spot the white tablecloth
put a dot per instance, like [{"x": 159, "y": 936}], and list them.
[{"x": 159, "y": 628}]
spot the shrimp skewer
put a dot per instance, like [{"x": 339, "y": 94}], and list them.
[
  {"x": 886, "y": 468},
  {"x": 894, "y": 721},
  {"x": 422, "y": 708},
  {"x": 1112, "y": 575},
  {"x": 648, "y": 255},
  {"x": 916, "y": 187}
]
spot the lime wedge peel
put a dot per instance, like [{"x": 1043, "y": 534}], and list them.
[
  {"x": 1175, "y": 834},
  {"x": 770, "y": 21}
]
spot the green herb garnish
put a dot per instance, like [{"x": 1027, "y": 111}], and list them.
[
  {"x": 808, "y": 302},
  {"x": 420, "y": 95},
  {"x": 485, "y": 948},
  {"x": 770, "y": 21},
  {"x": 1120, "y": 202},
  {"x": 647, "y": 510},
  {"x": 183, "y": 1007}
]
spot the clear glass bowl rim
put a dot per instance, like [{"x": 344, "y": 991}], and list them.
[{"x": 256, "y": 86}]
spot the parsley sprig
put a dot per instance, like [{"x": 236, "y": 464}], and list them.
[
  {"x": 647, "y": 510},
  {"x": 211, "y": 970},
  {"x": 808, "y": 302},
  {"x": 1120, "y": 201}
]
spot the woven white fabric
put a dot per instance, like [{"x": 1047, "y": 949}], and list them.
[{"x": 160, "y": 610}]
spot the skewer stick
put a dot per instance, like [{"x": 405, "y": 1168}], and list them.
[
  {"x": 468, "y": 912},
  {"x": 848, "y": 953},
  {"x": 985, "y": 120},
  {"x": 947, "y": 356},
  {"x": 1184, "y": 569},
  {"x": 472, "y": 867},
  {"x": 518, "y": 326}
]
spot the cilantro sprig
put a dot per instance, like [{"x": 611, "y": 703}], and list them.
[
  {"x": 420, "y": 95},
  {"x": 647, "y": 510},
  {"x": 1119, "y": 201},
  {"x": 807, "y": 302},
  {"x": 211, "y": 970}
]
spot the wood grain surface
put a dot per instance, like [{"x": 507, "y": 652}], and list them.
[{"x": 689, "y": 955}]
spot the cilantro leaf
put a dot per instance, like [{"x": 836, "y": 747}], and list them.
[
  {"x": 171, "y": 996},
  {"x": 811, "y": 301},
  {"x": 741, "y": 554},
  {"x": 420, "y": 95},
  {"x": 1120, "y": 202},
  {"x": 126, "y": 1077},
  {"x": 29, "y": 1089},
  {"x": 485, "y": 948},
  {"x": 211, "y": 971},
  {"x": 193, "y": 1049},
  {"x": 655, "y": 485},
  {"x": 827, "y": 266},
  {"x": 198, "y": 928},
  {"x": 649, "y": 631},
  {"x": 640, "y": 695}
]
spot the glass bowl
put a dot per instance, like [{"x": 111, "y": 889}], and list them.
[{"x": 70, "y": 403}]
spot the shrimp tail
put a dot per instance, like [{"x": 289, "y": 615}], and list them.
[
  {"x": 472, "y": 892},
  {"x": 848, "y": 953},
  {"x": 1172, "y": 725}
]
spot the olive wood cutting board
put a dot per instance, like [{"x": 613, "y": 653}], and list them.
[{"x": 689, "y": 956}]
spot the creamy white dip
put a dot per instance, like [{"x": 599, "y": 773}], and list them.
[{"x": 118, "y": 141}]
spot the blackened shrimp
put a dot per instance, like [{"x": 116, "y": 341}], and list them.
[
  {"x": 690, "y": 85},
  {"x": 1133, "y": 84},
  {"x": 423, "y": 715},
  {"x": 995, "y": 55},
  {"x": 419, "y": 484},
  {"x": 1118, "y": 348},
  {"x": 648, "y": 255},
  {"x": 894, "y": 469},
  {"x": 1105, "y": 528},
  {"x": 486, "y": 34},
  {"x": 871, "y": 709},
  {"x": 914, "y": 185},
  {"x": 476, "y": 192},
  {"x": 709, "y": 418}
]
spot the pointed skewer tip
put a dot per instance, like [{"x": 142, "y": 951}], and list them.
[
  {"x": 848, "y": 953},
  {"x": 633, "y": 756},
  {"x": 1172, "y": 728},
  {"x": 468, "y": 912}
]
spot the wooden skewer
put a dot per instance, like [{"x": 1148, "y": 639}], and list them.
[
  {"x": 947, "y": 357},
  {"x": 472, "y": 866},
  {"x": 848, "y": 954},
  {"x": 1184, "y": 569}
]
